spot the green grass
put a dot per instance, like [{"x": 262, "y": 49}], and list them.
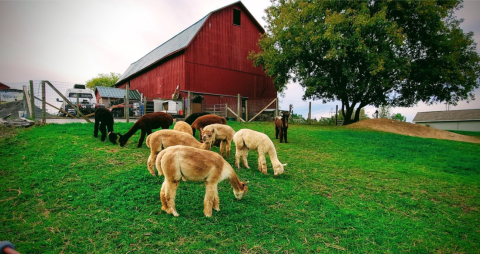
[
  {"x": 63, "y": 191},
  {"x": 468, "y": 133}
]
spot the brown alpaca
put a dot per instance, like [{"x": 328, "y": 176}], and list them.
[
  {"x": 183, "y": 127},
  {"x": 146, "y": 124},
  {"x": 162, "y": 139},
  {"x": 222, "y": 133},
  {"x": 281, "y": 126},
  {"x": 193, "y": 164},
  {"x": 205, "y": 120}
]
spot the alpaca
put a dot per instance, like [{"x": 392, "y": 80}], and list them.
[
  {"x": 192, "y": 117},
  {"x": 222, "y": 133},
  {"x": 162, "y": 139},
  {"x": 183, "y": 126},
  {"x": 146, "y": 124},
  {"x": 193, "y": 164},
  {"x": 205, "y": 120},
  {"x": 281, "y": 126},
  {"x": 246, "y": 140},
  {"x": 104, "y": 120}
]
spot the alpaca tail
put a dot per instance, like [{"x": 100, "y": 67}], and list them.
[
  {"x": 148, "y": 141},
  {"x": 158, "y": 162}
]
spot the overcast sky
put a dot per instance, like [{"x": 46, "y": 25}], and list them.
[{"x": 73, "y": 41}]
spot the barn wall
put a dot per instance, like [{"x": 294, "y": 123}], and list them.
[
  {"x": 161, "y": 80},
  {"x": 216, "y": 60},
  {"x": 455, "y": 126}
]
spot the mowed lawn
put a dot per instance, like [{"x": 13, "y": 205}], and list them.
[{"x": 343, "y": 191}]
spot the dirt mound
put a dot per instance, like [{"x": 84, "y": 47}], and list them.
[{"x": 410, "y": 129}]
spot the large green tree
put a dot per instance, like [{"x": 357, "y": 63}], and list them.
[
  {"x": 102, "y": 79},
  {"x": 372, "y": 52}
]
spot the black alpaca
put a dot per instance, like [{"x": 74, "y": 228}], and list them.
[
  {"x": 104, "y": 119},
  {"x": 281, "y": 126},
  {"x": 146, "y": 124},
  {"x": 191, "y": 118}
]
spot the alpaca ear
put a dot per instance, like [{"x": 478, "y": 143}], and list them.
[
  {"x": 284, "y": 164},
  {"x": 201, "y": 129}
]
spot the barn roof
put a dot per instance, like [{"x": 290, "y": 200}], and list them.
[
  {"x": 3, "y": 86},
  {"x": 117, "y": 93},
  {"x": 446, "y": 116},
  {"x": 175, "y": 44}
]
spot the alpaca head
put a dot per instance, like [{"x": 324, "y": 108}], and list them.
[
  {"x": 113, "y": 137},
  {"x": 278, "y": 169},
  {"x": 122, "y": 140},
  {"x": 243, "y": 189},
  {"x": 208, "y": 136}
]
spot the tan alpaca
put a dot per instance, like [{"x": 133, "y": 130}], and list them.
[
  {"x": 193, "y": 164},
  {"x": 222, "y": 133},
  {"x": 246, "y": 140},
  {"x": 162, "y": 139},
  {"x": 183, "y": 126}
]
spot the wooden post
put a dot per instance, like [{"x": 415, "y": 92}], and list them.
[
  {"x": 226, "y": 110},
  {"x": 127, "y": 103},
  {"x": 44, "y": 113},
  {"x": 239, "y": 107},
  {"x": 276, "y": 110},
  {"x": 27, "y": 99},
  {"x": 336, "y": 115},
  {"x": 246, "y": 110},
  {"x": 274, "y": 100},
  {"x": 32, "y": 101},
  {"x": 309, "y": 112},
  {"x": 189, "y": 104},
  {"x": 144, "y": 105}
]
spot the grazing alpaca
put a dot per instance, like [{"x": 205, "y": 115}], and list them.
[
  {"x": 205, "y": 120},
  {"x": 222, "y": 133},
  {"x": 191, "y": 118},
  {"x": 146, "y": 124},
  {"x": 281, "y": 126},
  {"x": 246, "y": 140},
  {"x": 183, "y": 126},
  {"x": 104, "y": 119},
  {"x": 193, "y": 164},
  {"x": 162, "y": 139}
]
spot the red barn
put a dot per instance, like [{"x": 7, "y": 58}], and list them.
[{"x": 209, "y": 59}]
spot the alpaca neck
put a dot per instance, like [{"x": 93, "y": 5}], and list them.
[
  {"x": 234, "y": 181},
  {"x": 273, "y": 157},
  {"x": 131, "y": 131},
  {"x": 204, "y": 145},
  {"x": 110, "y": 128}
]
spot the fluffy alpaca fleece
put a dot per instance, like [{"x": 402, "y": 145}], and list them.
[
  {"x": 146, "y": 124},
  {"x": 192, "y": 117},
  {"x": 193, "y": 164},
  {"x": 162, "y": 139},
  {"x": 222, "y": 133},
  {"x": 281, "y": 126},
  {"x": 104, "y": 121},
  {"x": 246, "y": 140},
  {"x": 184, "y": 127},
  {"x": 205, "y": 120}
]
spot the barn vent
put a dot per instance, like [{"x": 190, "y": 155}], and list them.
[{"x": 236, "y": 17}]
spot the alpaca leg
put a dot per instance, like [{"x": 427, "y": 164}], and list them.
[
  {"x": 276, "y": 132},
  {"x": 170, "y": 193},
  {"x": 238, "y": 154},
  {"x": 162, "y": 196},
  {"x": 151, "y": 162},
  {"x": 200, "y": 136},
  {"x": 285, "y": 135},
  {"x": 228, "y": 146},
  {"x": 95, "y": 128},
  {"x": 245, "y": 155},
  {"x": 262, "y": 163},
  {"x": 222, "y": 148},
  {"x": 216, "y": 200},
  {"x": 142, "y": 138},
  {"x": 209, "y": 199},
  {"x": 281, "y": 135},
  {"x": 103, "y": 130}
]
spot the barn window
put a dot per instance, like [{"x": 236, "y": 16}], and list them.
[{"x": 236, "y": 17}]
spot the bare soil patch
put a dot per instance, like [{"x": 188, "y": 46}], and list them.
[{"x": 410, "y": 129}]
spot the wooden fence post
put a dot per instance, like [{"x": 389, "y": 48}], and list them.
[
  {"x": 239, "y": 107},
  {"x": 309, "y": 112},
  {"x": 127, "y": 102},
  {"x": 44, "y": 113},
  {"x": 246, "y": 110},
  {"x": 276, "y": 109},
  {"x": 66, "y": 100},
  {"x": 189, "y": 104},
  {"x": 32, "y": 101}
]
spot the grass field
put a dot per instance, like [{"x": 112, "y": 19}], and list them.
[{"x": 343, "y": 191}]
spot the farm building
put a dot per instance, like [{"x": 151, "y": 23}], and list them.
[
  {"x": 456, "y": 120},
  {"x": 209, "y": 60},
  {"x": 3, "y": 86},
  {"x": 106, "y": 95}
]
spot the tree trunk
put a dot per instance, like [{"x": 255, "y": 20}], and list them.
[
  {"x": 348, "y": 115},
  {"x": 357, "y": 115}
]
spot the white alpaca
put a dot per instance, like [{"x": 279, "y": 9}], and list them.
[
  {"x": 162, "y": 139},
  {"x": 222, "y": 133},
  {"x": 196, "y": 165},
  {"x": 246, "y": 140},
  {"x": 183, "y": 126}
]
